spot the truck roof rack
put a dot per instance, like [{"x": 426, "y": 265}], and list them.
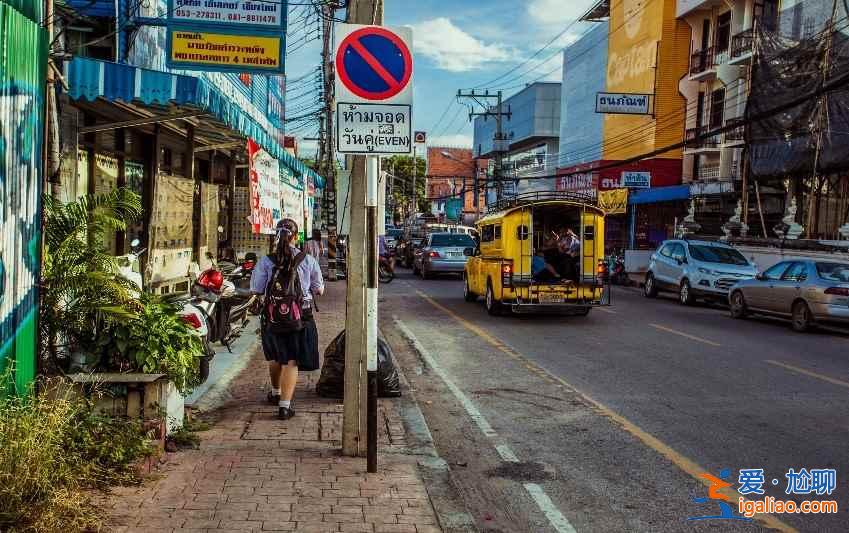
[{"x": 541, "y": 196}]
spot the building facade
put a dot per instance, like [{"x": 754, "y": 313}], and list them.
[
  {"x": 453, "y": 173},
  {"x": 532, "y": 131}
]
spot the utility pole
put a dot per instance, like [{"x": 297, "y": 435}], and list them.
[
  {"x": 500, "y": 140},
  {"x": 361, "y": 319},
  {"x": 327, "y": 146},
  {"x": 414, "y": 196}
]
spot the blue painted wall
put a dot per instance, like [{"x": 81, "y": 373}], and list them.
[{"x": 584, "y": 75}]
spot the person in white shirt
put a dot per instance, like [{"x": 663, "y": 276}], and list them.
[{"x": 286, "y": 352}]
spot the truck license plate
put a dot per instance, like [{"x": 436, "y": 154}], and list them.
[{"x": 551, "y": 298}]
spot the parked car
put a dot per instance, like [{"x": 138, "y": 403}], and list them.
[
  {"x": 808, "y": 292},
  {"x": 696, "y": 269},
  {"x": 442, "y": 253}
]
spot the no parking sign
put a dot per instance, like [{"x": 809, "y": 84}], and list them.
[{"x": 374, "y": 71}]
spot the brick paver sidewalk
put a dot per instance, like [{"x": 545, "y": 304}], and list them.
[{"x": 255, "y": 473}]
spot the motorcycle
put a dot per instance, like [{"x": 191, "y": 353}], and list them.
[
  {"x": 225, "y": 305},
  {"x": 618, "y": 275},
  {"x": 386, "y": 268}
]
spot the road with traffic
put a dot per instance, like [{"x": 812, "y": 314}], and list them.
[{"x": 609, "y": 422}]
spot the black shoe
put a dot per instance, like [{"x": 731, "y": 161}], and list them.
[
  {"x": 285, "y": 413},
  {"x": 273, "y": 399}
]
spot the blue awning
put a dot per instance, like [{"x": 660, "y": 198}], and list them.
[
  {"x": 89, "y": 79},
  {"x": 659, "y": 194}
]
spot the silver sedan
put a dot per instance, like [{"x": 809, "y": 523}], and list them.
[
  {"x": 808, "y": 292},
  {"x": 442, "y": 253}
]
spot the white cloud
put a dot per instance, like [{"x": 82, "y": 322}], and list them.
[
  {"x": 457, "y": 140},
  {"x": 557, "y": 12},
  {"x": 454, "y": 50}
]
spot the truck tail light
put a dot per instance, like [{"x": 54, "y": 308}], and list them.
[
  {"x": 603, "y": 271},
  {"x": 837, "y": 291},
  {"x": 507, "y": 274}
]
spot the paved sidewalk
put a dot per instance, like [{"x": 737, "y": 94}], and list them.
[{"x": 255, "y": 473}]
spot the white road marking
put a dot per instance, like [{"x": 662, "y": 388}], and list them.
[
  {"x": 559, "y": 522},
  {"x": 506, "y": 453},
  {"x": 464, "y": 400},
  {"x": 685, "y": 335}
]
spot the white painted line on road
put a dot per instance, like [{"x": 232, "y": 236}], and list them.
[
  {"x": 608, "y": 311},
  {"x": 817, "y": 375},
  {"x": 555, "y": 517},
  {"x": 464, "y": 400},
  {"x": 551, "y": 512},
  {"x": 685, "y": 335},
  {"x": 506, "y": 453}
]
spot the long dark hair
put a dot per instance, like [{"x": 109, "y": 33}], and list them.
[{"x": 287, "y": 229}]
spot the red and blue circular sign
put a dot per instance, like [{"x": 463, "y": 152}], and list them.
[{"x": 374, "y": 63}]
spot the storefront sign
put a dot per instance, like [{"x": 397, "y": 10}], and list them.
[
  {"x": 636, "y": 180},
  {"x": 582, "y": 182},
  {"x": 249, "y": 51},
  {"x": 264, "y": 190},
  {"x": 614, "y": 202},
  {"x": 374, "y": 129},
  {"x": 623, "y": 103},
  {"x": 261, "y": 13}
]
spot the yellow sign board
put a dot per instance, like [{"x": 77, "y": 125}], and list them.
[
  {"x": 614, "y": 202},
  {"x": 224, "y": 51}
]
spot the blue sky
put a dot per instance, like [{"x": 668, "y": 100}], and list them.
[{"x": 468, "y": 43}]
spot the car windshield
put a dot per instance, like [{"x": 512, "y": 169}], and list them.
[
  {"x": 833, "y": 272},
  {"x": 394, "y": 233},
  {"x": 717, "y": 254},
  {"x": 456, "y": 239}
]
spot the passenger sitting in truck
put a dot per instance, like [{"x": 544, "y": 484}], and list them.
[
  {"x": 569, "y": 248},
  {"x": 542, "y": 270}
]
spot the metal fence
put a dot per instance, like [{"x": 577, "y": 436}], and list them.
[{"x": 23, "y": 60}]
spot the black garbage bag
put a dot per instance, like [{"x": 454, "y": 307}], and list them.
[{"x": 331, "y": 383}]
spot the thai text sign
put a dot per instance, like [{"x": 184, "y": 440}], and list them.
[
  {"x": 374, "y": 129},
  {"x": 622, "y": 103},
  {"x": 224, "y": 51},
  {"x": 636, "y": 180},
  {"x": 614, "y": 202},
  {"x": 260, "y": 13},
  {"x": 264, "y": 190}
]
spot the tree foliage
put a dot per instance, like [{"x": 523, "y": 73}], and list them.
[{"x": 402, "y": 167}]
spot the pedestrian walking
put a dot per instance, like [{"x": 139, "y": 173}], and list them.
[
  {"x": 314, "y": 246},
  {"x": 289, "y": 280}
]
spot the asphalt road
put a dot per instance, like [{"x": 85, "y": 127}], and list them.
[{"x": 607, "y": 422}]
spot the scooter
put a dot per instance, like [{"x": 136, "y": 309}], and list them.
[
  {"x": 618, "y": 275},
  {"x": 224, "y": 304},
  {"x": 386, "y": 268}
]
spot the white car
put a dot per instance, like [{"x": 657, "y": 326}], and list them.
[{"x": 696, "y": 269}]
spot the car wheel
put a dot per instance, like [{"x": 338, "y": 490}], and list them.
[
  {"x": 583, "y": 312},
  {"x": 802, "y": 320},
  {"x": 426, "y": 273},
  {"x": 493, "y": 306},
  {"x": 416, "y": 270},
  {"x": 685, "y": 293},
  {"x": 738, "y": 305},
  {"x": 468, "y": 295},
  {"x": 650, "y": 286}
]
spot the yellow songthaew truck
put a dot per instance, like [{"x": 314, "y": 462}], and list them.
[{"x": 519, "y": 237}]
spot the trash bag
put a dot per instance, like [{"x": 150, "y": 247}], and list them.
[{"x": 331, "y": 383}]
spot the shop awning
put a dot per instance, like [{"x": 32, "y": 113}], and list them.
[
  {"x": 659, "y": 194},
  {"x": 165, "y": 93}
]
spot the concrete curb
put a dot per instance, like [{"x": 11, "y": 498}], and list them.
[
  {"x": 447, "y": 502},
  {"x": 219, "y": 393}
]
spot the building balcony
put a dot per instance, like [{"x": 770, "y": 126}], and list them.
[
  {"x": 697, "y": 142},
  {"x": 702, "y": 65},
  {"x": 735, "y": 136},
  {"x": 742, "y": 47}
]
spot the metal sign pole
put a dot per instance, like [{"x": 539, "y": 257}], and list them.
[{"x": 372, "y": 172}]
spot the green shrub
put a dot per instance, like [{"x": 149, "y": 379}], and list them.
[
  {"x": 159, "y": 341},
  {"x": 51, "y": 451}
]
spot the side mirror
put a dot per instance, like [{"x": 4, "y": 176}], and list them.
[{"x": 469, "y": 252}]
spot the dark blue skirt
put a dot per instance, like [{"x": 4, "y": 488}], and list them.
[{"x": 300, "y": 346}]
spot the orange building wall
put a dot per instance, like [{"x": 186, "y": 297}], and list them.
[{"x": 648, "y": 52}]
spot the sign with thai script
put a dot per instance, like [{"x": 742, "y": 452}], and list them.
[
  {"x": 225, "y": 50},
  {"x": 265, "y": 194},
  {"x": 242, "y": 13},
  {"x": 623, "y": 103},
  {"x": 374, "y": 129},
  {"x": 581, "y": 183},
  {"x": 636, "y": 180},
  {"x": 614, "y": 202}
]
